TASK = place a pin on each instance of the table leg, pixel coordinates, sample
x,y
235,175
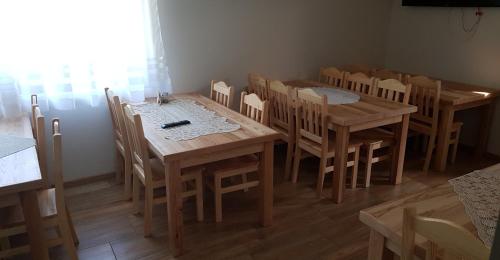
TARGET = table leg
x,y
444,131
266,184
34,226
376,246
340,163
485,129
174,205
398,155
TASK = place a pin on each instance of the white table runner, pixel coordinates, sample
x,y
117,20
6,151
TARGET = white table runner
x,y
479,191
13,144
203,121
337,96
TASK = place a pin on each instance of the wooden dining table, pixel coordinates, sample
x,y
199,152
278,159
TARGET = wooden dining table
x,y
251,138
456,97
20,178
369,112
386,220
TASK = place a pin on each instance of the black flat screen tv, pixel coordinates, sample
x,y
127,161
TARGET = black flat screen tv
x,y
453,3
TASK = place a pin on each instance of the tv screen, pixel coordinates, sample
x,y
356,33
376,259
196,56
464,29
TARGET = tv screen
x,y
457,3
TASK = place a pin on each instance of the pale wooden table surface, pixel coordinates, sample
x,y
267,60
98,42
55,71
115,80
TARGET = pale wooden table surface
x,y
386,219
251,138
369,112
20,174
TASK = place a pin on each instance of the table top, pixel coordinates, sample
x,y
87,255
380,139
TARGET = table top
x,y
368,109
455,93
251,132
439,202
19,171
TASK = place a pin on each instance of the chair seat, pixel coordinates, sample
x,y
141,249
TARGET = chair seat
x,y
158,172
233,164
374,136
315,148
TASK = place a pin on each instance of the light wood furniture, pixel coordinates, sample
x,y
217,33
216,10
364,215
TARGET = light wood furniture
x,y
359,82
369,112
425,95
41,144
258,85
251,138
377,140
384,74
258,110
20,176
455,241
151,174
386,220
34,102
314,137
332,76
123,159
53,209
281,99
221,93
357,68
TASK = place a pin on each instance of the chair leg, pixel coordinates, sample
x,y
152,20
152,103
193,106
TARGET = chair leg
x,y
136,190
218,198
455,146
128,178
369,164
288,162
72,227
119,166
354,181
321,176
430,149
296,164
148,211
66,235
199,198
244,179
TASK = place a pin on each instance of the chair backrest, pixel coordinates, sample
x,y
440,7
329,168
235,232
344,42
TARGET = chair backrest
x,y
281,99
34,102
312,117
255,108
384,74
138,144
425,95
392,90
358,82
119,127
221,93
331,76
41,144
457,242
258,85
357,68
57,168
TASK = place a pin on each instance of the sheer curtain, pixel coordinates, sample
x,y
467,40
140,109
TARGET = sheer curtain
x,y
68,51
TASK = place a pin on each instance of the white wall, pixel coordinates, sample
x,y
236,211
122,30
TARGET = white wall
x,y
431,41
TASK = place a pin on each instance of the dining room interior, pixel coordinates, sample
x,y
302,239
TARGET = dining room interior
x,y
264,129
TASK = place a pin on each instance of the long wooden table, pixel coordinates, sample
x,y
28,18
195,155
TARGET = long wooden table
x,y
251,138
458,96
386,219
20,176
369,112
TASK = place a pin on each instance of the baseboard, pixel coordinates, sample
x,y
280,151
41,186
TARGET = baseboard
x,y
472,148
86,180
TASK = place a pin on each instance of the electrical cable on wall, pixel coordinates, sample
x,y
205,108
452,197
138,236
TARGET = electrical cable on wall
x,y
474,27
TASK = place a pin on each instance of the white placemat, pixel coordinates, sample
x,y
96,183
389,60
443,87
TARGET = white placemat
x,y
12,144
479,191
337,96
203,121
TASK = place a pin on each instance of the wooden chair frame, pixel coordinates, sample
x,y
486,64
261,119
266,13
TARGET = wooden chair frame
x,y
357,68
41,144
384,74
332,76
253,107
258,85
221,93
359,82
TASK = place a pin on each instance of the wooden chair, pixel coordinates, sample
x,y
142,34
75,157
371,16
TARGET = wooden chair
x,y
223,173
221,93
314,137
150,173
384,74
357,68
123,160
425,95
281,98
34,102
331,76
444,236
258,85
41,146
53,209
375,141
358,82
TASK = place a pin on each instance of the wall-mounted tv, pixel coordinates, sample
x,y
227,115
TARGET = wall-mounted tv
x,y
456,3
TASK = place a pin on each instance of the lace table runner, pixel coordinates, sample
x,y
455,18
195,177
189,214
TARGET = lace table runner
x,y
13,144
337,96
479,191
203,121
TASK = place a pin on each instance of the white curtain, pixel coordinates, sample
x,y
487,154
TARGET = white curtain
x,y
68,51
